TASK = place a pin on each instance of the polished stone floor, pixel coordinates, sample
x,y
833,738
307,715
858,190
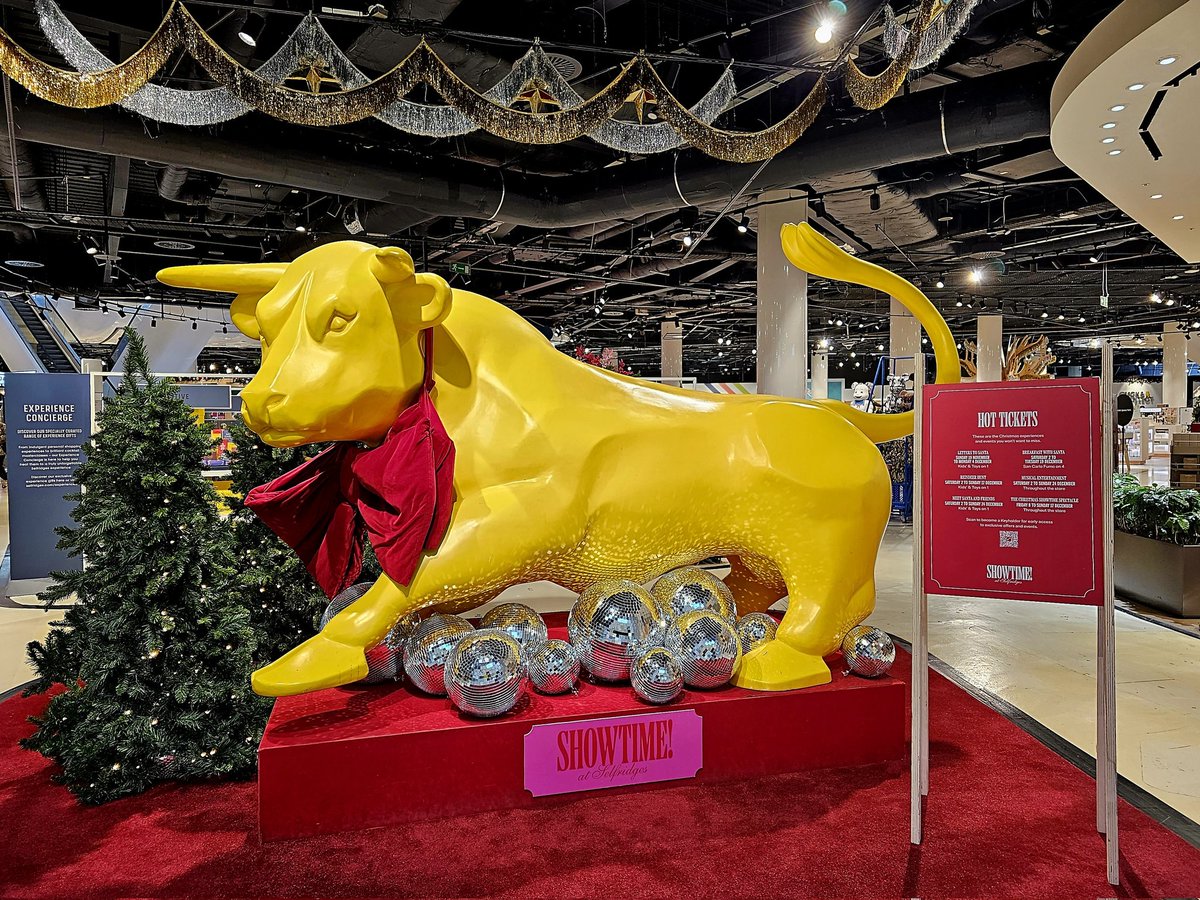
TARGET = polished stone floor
x,y
1038,657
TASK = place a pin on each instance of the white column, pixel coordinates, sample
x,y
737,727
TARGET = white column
x,y
672,350
989,338
819,373
1175,366
782,300
904,338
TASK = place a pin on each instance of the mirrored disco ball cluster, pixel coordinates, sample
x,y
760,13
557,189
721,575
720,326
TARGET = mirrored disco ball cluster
x,y
612,618
755,629
553,667
385,661
429,647
517,620
690,588
484,673
868,651
707,647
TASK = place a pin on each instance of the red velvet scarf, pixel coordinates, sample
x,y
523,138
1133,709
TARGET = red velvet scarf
x,y
399,493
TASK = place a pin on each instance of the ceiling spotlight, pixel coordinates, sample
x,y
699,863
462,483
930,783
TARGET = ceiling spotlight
x,y
301,229
1118,108
1109,140
1166,60
1136,86
1059,317
1170,301
1156,297
823,343
941,282
193,326
959,303
743,224
1176,218
1109,125
1082,319
1114,152
976,276
824,32
839,323
876,202
688,240
1156,196
1045,315
90,246
249,33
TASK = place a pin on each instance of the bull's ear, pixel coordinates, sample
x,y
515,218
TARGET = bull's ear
x,y
248,280
421,299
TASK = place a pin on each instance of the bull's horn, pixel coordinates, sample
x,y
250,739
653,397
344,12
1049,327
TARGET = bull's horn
x,y
237,278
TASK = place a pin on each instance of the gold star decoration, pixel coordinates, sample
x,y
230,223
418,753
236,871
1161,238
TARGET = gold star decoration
x,y
641,98
535,95
314,72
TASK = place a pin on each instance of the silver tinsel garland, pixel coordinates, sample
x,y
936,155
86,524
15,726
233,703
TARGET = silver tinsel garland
x,y
937,38
311,42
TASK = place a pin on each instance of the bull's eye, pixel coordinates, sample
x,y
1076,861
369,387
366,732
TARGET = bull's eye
x,y
339,323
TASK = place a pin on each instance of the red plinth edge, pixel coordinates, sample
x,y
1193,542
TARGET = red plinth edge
x,y
352,758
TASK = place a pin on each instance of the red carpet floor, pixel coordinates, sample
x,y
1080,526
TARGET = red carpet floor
x,y
1006,818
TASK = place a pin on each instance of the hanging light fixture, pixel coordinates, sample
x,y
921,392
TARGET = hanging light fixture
x,y
250,32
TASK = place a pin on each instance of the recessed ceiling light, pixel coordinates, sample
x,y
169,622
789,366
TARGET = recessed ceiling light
x,y
1136,86
1176,218
1114,152
1118,107
1166,60
1156,196
1109,125
1109,140
174,245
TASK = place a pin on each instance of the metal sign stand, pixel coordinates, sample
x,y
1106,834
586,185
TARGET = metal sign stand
x,y
1106,707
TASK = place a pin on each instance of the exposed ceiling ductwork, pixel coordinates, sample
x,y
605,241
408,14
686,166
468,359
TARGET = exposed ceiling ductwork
x,y
1000,109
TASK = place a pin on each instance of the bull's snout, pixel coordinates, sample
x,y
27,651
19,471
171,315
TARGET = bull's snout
x,y
257,404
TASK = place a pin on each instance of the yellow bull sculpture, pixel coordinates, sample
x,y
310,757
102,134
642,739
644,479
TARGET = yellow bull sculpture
x,y
566,472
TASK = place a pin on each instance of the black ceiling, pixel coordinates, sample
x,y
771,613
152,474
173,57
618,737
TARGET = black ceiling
x,y
578,223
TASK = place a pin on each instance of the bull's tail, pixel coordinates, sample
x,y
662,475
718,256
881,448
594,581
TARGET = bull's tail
x,y
819,256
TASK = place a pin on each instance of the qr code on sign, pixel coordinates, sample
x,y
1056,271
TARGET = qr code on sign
x,y
1008,539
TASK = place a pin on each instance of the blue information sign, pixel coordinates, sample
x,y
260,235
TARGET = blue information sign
x,y
46,419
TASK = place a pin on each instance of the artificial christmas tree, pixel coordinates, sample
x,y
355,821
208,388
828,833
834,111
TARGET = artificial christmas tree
x,y
155,659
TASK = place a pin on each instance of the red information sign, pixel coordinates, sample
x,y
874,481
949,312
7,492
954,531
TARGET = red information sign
x,y
1012,490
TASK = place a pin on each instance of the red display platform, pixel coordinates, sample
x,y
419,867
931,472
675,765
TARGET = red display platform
x,y
352,758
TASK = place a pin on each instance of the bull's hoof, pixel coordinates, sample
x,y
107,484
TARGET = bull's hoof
x,y
317,663
778,667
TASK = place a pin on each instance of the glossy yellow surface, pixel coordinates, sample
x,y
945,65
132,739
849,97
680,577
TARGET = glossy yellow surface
x,y
565,472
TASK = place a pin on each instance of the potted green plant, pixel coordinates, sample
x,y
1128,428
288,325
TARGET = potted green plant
x,y
1157,545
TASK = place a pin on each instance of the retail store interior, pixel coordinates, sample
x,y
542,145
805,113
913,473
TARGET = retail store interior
x,y
1033,174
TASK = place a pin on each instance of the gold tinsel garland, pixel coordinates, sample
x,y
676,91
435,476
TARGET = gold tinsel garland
x,y
179,29
873,91
82,90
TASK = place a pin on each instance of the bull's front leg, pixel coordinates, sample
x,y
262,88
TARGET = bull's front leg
x,y
495,540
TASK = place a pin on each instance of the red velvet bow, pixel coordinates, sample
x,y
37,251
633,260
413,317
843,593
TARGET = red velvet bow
x,y
400,493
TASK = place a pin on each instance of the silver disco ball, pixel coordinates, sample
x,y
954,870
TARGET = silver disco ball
x,y
755,629
485,674
573,624
657,676
868,651
691,588
553,666
612,619
707,648
385,661
342,600
518,620
427,648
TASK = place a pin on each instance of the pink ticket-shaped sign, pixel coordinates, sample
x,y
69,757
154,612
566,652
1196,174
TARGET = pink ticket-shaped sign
x,y
590,754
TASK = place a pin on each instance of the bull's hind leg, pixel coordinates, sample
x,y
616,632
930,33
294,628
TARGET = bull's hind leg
x,y
831,588
488,547
755,582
